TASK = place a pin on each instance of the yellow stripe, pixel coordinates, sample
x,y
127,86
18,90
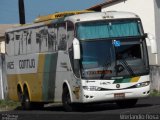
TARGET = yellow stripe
x,y
41,60
12,90
135,79
33,82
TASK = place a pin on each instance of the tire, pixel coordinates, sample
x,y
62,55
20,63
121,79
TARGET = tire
x,y
20,96
25,102
66,100
127,103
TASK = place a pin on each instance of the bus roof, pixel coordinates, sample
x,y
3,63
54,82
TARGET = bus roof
x,y
78,16
101,16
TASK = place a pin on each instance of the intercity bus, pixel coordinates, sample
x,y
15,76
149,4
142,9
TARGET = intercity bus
x,y
78,57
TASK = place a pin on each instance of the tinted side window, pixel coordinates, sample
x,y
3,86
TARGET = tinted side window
x,y
62,41
70,33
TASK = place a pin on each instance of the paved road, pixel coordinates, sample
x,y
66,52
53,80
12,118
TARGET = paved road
x,y
145,109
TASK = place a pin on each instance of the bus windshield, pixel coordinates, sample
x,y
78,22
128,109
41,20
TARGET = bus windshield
x,y
108,29
104,59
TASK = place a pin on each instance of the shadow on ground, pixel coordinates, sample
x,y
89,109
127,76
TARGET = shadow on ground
x,y
89,108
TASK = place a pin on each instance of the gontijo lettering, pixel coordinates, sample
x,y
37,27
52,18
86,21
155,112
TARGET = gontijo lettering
x,y
27,63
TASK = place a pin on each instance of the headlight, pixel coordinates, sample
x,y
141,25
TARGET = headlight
x,y
91,88
143,84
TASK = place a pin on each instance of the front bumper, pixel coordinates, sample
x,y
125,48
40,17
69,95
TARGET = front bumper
x,y
104,96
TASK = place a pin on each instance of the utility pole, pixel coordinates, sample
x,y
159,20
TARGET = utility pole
x,y
21,12
1,79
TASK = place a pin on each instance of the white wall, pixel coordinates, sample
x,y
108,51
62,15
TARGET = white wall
x,y
145,10
2,47
157,26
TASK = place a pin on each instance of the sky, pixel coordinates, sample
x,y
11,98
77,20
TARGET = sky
x,y
33,8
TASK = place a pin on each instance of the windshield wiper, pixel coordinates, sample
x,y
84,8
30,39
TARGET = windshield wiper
x,y
128,68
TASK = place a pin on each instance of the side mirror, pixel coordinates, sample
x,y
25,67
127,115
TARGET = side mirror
x,y
153,43
76,49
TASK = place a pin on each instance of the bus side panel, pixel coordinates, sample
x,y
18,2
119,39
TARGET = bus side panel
x,y
22,73
40,84
64,74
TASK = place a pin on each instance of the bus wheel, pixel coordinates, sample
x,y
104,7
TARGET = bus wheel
x,y
20,96
66,100
26,104
127,103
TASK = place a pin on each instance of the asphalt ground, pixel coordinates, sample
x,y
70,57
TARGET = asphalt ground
x,y
145,109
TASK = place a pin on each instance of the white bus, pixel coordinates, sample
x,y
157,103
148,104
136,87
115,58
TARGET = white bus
x,y
78,57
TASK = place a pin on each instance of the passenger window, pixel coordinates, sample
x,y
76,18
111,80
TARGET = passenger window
x,y
70,32
10,44
62,42
52,38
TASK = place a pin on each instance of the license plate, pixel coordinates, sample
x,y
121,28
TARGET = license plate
x,y
119,95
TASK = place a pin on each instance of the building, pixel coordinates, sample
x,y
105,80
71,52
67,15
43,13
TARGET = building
x,y
149,12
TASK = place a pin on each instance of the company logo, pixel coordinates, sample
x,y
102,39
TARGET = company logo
x,y
118,86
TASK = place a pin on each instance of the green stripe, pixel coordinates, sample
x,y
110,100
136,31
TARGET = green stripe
x,y
49,76
127,80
